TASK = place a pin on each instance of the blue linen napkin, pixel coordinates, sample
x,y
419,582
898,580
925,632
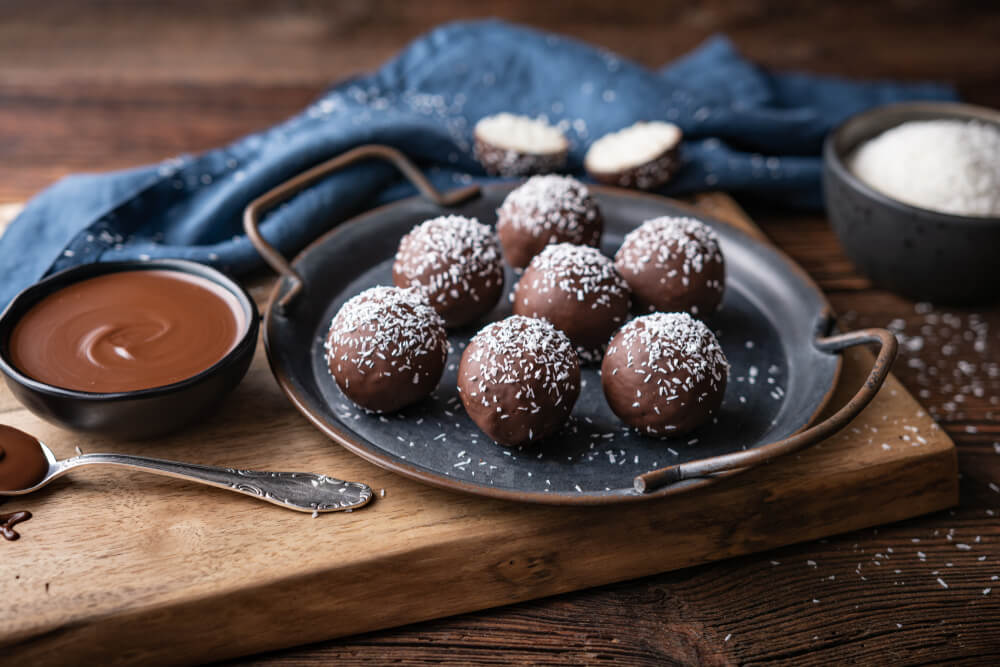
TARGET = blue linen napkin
x,y
747,130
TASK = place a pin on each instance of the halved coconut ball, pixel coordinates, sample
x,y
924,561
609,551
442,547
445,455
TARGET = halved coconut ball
x,y
510,145
643,156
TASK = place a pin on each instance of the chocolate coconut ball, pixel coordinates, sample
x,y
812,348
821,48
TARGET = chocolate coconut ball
x,y
664,374
519,379
456,262
386,348
643,156
511,145
547,209
673,264
577,289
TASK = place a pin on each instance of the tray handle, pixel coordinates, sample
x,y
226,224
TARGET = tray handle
x,y
280,193
729,464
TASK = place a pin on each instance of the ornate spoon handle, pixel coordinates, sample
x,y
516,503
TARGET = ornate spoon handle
x,y
302,491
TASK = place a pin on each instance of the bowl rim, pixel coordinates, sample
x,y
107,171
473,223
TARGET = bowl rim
x,y
94,269
835,160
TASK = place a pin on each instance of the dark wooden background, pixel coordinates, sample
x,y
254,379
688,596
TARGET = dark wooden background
x,y
98,85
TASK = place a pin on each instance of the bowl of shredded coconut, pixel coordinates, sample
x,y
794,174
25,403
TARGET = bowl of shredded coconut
x,y
913,192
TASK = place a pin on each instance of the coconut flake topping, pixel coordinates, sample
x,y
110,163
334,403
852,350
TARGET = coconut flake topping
x,y
445,252
580,271
518,349
547,203
678,352
660,239
386,322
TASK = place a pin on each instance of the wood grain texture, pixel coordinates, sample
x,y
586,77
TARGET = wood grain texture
x,y
155,561
98,85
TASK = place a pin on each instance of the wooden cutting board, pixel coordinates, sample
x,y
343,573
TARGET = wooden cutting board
x,y
122,567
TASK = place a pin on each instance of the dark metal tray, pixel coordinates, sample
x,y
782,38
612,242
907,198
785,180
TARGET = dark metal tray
x,y
773,326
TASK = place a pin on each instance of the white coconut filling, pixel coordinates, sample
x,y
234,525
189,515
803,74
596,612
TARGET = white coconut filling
x,y
521,134
631,147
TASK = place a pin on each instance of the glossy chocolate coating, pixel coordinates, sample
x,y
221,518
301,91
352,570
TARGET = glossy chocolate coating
x,y
126,331
547,209
673,265
664,374
577,289
387,348
519,379
457,263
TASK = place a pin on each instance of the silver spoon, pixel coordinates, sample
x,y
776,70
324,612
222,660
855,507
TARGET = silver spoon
x,y
301,491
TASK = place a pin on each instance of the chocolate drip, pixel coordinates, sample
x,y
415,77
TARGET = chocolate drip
x,y
8,521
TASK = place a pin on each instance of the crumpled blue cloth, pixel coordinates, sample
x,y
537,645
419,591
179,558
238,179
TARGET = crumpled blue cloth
x,y
747,130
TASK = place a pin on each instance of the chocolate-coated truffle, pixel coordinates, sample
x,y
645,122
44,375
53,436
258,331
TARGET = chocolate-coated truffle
x,y
510,145
519,379
386,348
577,289
664,374
644,156
456,261
673,264
544,210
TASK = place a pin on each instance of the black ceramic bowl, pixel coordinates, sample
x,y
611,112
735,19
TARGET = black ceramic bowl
x,y
914,251
145,413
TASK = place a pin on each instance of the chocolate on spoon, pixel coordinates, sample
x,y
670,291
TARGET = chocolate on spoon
x,y
22,462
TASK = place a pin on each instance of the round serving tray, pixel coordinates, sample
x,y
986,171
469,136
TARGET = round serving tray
x,y
769,325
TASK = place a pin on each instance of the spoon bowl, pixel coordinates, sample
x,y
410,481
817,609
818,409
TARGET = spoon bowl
x,y
49,476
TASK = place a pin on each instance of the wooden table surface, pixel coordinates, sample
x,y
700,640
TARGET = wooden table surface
x,y
94,85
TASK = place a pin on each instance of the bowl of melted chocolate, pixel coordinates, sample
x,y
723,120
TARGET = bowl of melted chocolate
x,y
128,349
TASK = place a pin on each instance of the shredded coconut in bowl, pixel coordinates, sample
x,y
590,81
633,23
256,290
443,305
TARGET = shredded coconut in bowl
x,y
949,166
